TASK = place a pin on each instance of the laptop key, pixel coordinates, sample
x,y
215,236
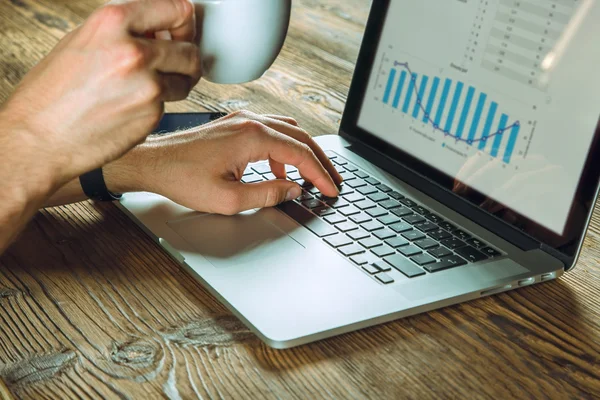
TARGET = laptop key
x,y
338,240
334,219
340,161
339,168
367,190
307,219
462,235
404,265
408,202
434,218
383,251
334,202
346,226
262,168
478,244
345,189
359,259
312,203
471,254
382,266
395,195
445,263
348,211
372,226
356,183
252,178
351,250
384,234
354,197
376,212
361,174
305,196
421,210
397,241
347,176
427,243
426,226
313,190
402,211
389,219
270,176
331,154
360,218
414,219
372,181
453,243
384,188
248,171
423,259
490,252
370,242
294,176
390,204
377,197
410,250
323,211
401,227
290,168
440,252
440,234
365,204
384,278
351,168
371,269
413,235
447,226
358,234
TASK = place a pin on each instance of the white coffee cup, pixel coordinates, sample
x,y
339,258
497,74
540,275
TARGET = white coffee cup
x,y
240,39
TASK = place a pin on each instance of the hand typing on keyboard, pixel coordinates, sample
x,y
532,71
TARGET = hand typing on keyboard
x,y
202,168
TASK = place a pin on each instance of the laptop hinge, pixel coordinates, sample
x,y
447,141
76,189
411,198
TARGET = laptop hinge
x,y
425,185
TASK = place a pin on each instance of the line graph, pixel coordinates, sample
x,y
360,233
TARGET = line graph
x,y
459,113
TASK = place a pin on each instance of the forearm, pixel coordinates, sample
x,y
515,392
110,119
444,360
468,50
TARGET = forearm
x,y
29,173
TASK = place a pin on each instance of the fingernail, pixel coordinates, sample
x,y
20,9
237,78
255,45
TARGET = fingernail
x,y
293,193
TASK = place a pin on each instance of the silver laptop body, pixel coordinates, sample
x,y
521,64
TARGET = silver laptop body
x,y
490,172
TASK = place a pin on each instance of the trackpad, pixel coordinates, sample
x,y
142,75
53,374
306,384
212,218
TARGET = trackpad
x,y
244,238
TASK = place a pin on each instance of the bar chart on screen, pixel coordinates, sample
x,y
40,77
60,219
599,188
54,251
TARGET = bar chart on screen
x,y
454,109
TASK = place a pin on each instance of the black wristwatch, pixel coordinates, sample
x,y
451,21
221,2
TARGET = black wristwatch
x,y
94,187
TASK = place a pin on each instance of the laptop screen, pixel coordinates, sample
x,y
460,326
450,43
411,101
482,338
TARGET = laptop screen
x,y
501,96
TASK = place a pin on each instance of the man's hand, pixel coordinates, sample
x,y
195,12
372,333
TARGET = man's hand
x,y
102,89
201,168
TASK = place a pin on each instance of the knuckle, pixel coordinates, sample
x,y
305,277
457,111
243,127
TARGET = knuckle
x,y
252,126
184,8
152,91
132,56
291,121
243,114
110,16
272,197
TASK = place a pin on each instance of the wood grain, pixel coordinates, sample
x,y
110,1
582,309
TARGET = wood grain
x,y
91,308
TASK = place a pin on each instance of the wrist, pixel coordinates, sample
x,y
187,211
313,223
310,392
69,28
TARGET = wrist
x,y
130,173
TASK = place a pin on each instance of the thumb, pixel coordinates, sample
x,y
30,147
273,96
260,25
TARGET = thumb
x,y
244,197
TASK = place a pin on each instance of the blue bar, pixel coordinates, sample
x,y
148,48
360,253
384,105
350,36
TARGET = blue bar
x,y
477,117
499,134
388,88
465,112
399,89
514,133
434,88
457,93
420,96
411,89
440,110
488,125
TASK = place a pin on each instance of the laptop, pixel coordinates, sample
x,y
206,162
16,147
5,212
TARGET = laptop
x,y
470,152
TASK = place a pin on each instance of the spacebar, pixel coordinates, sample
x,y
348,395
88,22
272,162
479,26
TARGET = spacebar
x,y
308,219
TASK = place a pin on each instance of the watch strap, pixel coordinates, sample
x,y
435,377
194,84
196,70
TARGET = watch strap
x,y
94,186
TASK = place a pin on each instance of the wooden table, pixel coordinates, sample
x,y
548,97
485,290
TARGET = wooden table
x,y
90,307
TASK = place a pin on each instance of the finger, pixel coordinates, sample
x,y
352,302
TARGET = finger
x,y
278,169
241,197
175,87
301,135
173,57
287,150
176,16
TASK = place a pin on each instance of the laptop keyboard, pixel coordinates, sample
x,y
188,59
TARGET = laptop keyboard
x,y
376,227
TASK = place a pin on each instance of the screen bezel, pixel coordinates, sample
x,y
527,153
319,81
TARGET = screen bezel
x,y
587,188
